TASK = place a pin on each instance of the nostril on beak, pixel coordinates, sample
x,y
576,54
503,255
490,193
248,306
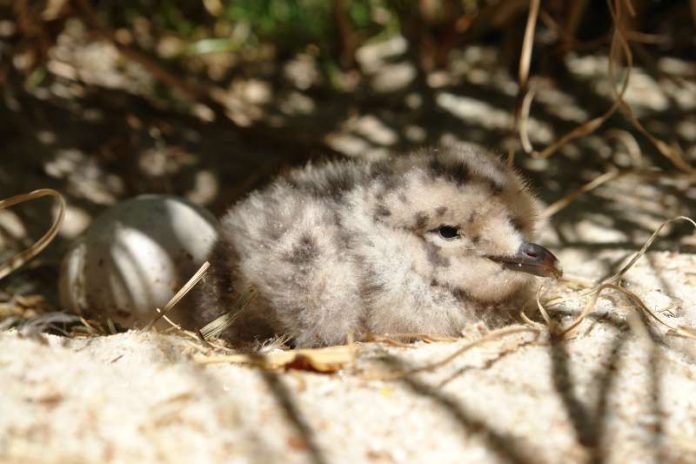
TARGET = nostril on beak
x,y
533,251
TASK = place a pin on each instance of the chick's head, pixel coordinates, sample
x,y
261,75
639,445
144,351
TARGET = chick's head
x,y
466,221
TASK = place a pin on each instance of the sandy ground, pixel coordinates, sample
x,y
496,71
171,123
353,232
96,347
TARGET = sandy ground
x,y
604,396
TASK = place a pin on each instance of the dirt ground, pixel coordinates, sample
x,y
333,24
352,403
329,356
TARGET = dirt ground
x,y
616,392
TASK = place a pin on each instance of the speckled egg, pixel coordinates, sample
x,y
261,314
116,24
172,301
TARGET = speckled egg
x,y
134,257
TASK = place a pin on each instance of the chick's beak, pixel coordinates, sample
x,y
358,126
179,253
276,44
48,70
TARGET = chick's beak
x,y
533,259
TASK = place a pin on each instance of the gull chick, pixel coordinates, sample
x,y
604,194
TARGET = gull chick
x,y
425,243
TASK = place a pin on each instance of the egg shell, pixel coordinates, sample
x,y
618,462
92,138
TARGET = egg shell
x,y
134,257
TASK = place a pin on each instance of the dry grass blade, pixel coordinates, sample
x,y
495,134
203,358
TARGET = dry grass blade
x,y
178,296
22,257
521,118
638,302
612,282
555,207
580,131
528,44
524,96
619,45
530,322
671,153
587,309
413,336
216,327
541,307
647,245
491,336
389,341
91,327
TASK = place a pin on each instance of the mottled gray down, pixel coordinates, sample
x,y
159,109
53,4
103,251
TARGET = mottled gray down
x,y
422,244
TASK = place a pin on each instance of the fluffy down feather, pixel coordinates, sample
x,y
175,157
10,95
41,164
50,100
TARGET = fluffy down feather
x,y
350,248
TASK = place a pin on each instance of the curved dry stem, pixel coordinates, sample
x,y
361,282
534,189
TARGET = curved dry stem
x,y
542,309
558,205
580,131
638,302
526,319
493,335
618,44
524,96
672,153
587,309
522,117
612,282
24,256
645,247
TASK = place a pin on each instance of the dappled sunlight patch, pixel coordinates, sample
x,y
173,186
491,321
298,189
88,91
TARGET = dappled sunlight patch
x,y
479,113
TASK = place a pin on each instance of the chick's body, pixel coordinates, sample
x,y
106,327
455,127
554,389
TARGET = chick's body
x,y
415,244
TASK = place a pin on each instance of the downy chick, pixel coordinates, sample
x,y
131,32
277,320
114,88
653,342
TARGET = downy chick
x,y
425,243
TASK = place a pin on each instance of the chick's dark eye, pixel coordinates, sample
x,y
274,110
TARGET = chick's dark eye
x,y
448,232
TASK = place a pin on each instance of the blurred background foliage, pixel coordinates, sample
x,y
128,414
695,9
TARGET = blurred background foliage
x,y
279,70
212,26
184,33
